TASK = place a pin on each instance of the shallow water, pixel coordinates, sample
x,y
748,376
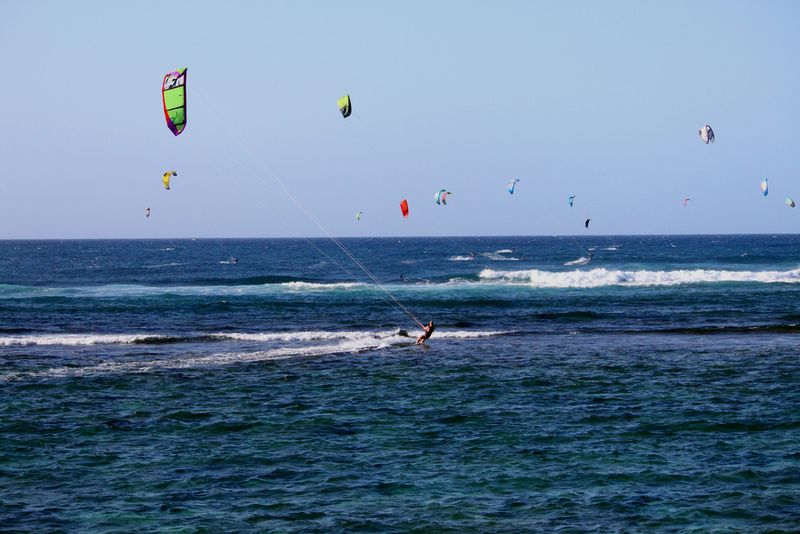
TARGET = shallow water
x,y
148,385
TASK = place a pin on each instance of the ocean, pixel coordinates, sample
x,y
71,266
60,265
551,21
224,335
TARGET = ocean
x,y
573,384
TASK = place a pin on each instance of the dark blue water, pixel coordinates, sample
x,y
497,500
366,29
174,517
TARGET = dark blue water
x,y
573,384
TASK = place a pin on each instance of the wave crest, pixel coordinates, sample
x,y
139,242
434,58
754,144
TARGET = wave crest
x,y
75,340
262,337
607,277
322,286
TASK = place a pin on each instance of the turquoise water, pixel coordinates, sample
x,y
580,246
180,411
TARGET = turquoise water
x,y
158,385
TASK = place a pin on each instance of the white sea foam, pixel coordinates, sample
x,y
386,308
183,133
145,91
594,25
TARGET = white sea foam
x,y
469,334
263,337
131,290
354,345
580,261
321,286
295,336
606,277
160,265
78,339
121,339
346,342
494,256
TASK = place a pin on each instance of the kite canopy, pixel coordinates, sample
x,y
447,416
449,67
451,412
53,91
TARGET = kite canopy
x,y
147,213
511,185
173,95
586,224
789,202
441,197
404,208
345,107
686,200
764,187
706,134
165,178
358,215
571,200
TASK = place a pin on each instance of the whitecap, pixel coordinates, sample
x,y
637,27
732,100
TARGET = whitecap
x,y
580,261
322,286
345,342
78,339
607,277
498,257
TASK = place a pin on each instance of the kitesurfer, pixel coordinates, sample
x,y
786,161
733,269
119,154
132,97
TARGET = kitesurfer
x,y
427,332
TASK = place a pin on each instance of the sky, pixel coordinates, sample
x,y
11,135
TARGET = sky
x,y
601,100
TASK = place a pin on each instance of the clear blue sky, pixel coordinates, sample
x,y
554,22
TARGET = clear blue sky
x,y
598,99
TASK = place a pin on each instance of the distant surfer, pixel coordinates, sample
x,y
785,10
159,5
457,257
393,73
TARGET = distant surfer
x,y
234,260
427,332
402,276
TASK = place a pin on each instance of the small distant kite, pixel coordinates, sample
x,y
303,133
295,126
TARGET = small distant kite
x,y
358,215
764,187
173,96
404,208
441,197
789,202
686,201
345,106
147,213
706,134
586,224
511,185
165,178
571,200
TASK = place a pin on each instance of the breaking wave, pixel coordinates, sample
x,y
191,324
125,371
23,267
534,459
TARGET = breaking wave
x,y
332,343
264,337
583,260
321,286
498,257
81,339
606,277
229,288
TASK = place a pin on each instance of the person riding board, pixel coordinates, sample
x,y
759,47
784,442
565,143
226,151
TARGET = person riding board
x,y
427,332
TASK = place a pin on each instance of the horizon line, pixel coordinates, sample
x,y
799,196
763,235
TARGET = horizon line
x,y
389,237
